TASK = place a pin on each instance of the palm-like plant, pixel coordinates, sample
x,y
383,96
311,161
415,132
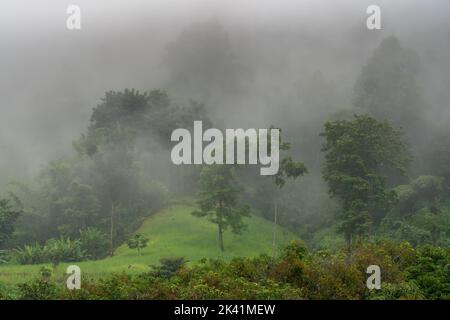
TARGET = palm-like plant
x,y
30,254
54,251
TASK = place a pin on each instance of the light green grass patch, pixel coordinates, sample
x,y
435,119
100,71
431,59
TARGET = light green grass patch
x,y
172,232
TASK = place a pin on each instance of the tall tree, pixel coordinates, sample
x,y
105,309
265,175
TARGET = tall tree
x,y
115,180
358,151
289,169
218,200
387,88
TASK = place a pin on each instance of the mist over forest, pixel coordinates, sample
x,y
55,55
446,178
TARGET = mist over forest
x,y
87,117
249,64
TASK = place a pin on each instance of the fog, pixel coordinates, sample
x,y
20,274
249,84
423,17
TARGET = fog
x,y
252,63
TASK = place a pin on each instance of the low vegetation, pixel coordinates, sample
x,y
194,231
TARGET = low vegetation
x,y
296,273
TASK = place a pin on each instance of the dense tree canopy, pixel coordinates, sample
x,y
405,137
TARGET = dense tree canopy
x,y
356,154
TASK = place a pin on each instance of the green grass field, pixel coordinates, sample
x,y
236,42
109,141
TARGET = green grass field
x,y
172,232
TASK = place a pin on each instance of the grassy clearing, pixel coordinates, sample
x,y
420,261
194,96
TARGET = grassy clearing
x,y
172,232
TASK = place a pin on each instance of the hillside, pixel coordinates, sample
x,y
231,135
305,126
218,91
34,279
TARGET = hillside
x,y
172,232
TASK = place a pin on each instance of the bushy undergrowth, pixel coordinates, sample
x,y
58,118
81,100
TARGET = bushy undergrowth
x,y
92,245
407,273
54,251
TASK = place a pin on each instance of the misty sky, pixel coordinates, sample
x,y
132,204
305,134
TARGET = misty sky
x,y
51,78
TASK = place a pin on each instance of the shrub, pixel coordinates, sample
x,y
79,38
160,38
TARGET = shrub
x,y
39,289
4,256
397,291
431,272
94,243
63,250
407,273
169,267
54,251
45,273
30,254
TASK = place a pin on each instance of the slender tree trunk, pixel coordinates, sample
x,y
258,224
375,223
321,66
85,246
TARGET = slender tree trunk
x,y
111,232
274,239
222,248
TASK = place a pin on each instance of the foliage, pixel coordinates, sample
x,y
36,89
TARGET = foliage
x,y
218,199
421,215
431,272
63,250
8,217
288,168
168,267
105,191
397,291
138,242
30,254
40,289
94,243
4,256
357,152
423,191
45,272
54,251
116,178
297,273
